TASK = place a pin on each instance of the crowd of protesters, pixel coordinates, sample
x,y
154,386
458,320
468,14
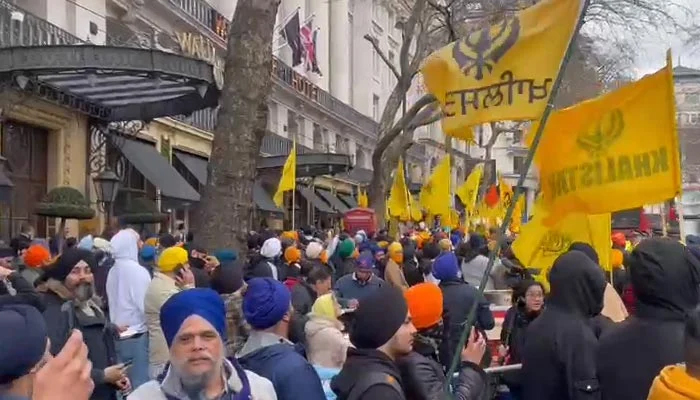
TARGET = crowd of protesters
x,y
315,315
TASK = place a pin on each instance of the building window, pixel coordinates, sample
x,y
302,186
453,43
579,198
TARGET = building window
x,y
338,143
272,118
518,137
692,98
292,125
375,107
318,137
518,164
376,64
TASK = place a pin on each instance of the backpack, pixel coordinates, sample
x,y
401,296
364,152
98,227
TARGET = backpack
x,y
372,379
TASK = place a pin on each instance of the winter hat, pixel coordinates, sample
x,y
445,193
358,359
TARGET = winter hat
x,y
346,248
65,263
36,256
86,243
292,254
228,278
365,261
446,266
425,304
148,253
378,317
265,302
22,341
271,248
313,250
171,258
326,306
586,249
203,302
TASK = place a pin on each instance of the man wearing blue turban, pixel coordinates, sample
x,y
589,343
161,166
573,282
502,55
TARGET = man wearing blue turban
x,y
194,326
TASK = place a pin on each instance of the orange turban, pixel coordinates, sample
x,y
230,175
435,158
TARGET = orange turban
x,y
425,304
616,258
355,253
292,254
291,235
36,256
618,239
324,257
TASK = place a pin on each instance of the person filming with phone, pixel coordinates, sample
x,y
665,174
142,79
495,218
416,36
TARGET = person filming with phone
x,y
71,303
172,275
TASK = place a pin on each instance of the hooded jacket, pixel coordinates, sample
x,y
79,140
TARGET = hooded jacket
x,y
665,278
276,359
559,354
127,283
674,383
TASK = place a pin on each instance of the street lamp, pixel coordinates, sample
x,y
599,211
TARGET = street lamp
x,y
6,184
106,186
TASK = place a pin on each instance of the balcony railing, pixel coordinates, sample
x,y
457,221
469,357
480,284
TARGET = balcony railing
x,y
21,28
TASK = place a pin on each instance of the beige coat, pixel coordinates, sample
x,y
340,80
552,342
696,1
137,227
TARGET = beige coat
x,y
393,275
326,346
613,307
159,291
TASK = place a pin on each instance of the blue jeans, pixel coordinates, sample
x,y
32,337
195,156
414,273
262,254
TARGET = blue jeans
x,y
136,351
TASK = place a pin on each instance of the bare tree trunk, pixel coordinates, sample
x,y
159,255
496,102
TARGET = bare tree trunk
x,y
227,198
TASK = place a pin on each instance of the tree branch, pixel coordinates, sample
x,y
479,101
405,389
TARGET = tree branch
x,y
375,45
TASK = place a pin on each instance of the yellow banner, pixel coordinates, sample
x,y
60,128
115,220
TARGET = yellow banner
x,y
616,152
505,72
435,194
289,177
399,203
469,190
538,246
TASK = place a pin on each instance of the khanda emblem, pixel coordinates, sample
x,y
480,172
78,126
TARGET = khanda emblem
x,y
554,243
480,51
603,134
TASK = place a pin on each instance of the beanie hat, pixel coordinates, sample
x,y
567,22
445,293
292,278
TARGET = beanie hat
x,y
205,303
22,341
313,250
425,304
226,255
265,302
446,266
36,256
586,249
325,306
148,253
65,263
228,277
171,258
346,248
365,261
378,317
292,254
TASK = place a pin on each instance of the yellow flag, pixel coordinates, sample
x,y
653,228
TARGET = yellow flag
x,y
469,190
362,199
435,194
289,176
399,203
516,221
616,152
416,212
505,72
538,246
505,192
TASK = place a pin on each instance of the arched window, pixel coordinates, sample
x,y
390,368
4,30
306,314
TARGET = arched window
x,y
360,159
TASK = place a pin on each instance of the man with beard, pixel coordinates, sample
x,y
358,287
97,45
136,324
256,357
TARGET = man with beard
x,y
68,293
194,326
350,289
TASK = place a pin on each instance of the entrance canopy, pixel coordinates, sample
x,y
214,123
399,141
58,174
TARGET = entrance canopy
x,y
112,83
310,164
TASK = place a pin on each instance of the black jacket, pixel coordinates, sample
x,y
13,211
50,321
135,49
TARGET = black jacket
x,y
457,299
411,270
360,362
665,279
424,378
559,353
261,267
25,293
303,298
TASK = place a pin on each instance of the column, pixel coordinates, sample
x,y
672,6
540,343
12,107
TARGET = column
x,y
340,42
321,20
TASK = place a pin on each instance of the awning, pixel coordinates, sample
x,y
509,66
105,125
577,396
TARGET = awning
x,y
349,200
263,200
196,165
333,200
313,198
156,168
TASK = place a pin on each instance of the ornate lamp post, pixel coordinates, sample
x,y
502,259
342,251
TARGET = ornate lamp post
x,y
106,186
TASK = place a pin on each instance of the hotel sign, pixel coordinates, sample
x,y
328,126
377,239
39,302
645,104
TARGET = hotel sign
x,y
294,79
199,47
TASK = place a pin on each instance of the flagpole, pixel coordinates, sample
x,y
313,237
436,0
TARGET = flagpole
x,y
521,183
286,19
294,192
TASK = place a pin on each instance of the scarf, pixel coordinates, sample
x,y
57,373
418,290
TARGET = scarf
x,y
427,341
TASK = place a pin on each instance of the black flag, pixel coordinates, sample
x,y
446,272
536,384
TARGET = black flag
x,y
291,34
